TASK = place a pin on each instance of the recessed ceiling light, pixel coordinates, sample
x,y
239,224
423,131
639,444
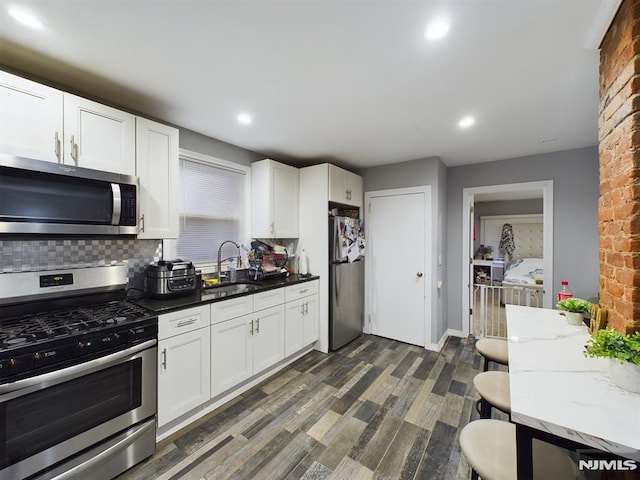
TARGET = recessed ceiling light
x,y
245,119
466,122
25,17
437,29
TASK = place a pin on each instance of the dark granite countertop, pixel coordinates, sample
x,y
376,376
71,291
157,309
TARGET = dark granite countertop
x,y
218,293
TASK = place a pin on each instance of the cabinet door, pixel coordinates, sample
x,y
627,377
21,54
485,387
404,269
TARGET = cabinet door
x,y
98,136
231,353
310,320
157,169
183,374
30,119
268,338
284,196
294,327
337,184
354,189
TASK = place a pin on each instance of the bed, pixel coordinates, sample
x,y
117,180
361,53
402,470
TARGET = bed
x,y
523,282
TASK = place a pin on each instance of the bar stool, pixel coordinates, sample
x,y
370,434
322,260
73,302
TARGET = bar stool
x,y
493,350
493,388
490,448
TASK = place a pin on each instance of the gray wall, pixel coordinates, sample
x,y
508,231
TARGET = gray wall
x,y
197,142
503,207
429,171
575,175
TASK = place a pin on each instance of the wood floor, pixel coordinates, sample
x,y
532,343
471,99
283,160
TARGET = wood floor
x,y
376,409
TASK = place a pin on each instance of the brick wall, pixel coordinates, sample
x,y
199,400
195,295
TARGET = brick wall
x,y
619,206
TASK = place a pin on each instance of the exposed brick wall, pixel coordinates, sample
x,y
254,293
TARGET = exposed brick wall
x,y
619,205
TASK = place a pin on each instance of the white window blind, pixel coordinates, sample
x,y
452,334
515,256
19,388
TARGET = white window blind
x,y
212,209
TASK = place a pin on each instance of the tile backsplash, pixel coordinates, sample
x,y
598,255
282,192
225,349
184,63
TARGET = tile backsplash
x,y
53,254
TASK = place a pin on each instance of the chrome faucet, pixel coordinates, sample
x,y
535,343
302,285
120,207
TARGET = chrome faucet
x,y
220,256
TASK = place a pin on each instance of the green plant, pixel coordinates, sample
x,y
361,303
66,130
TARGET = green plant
x,y
575,305
609,343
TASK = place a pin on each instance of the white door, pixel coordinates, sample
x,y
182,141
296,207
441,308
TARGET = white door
x,y
396,252
268,338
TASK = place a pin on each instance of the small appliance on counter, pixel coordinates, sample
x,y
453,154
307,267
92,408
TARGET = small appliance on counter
x,y
170,278
266,261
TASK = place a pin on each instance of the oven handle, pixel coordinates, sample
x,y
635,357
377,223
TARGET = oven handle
x,y
75,371
121,445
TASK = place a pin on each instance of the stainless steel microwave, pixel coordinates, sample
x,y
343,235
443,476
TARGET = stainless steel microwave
x,y
38,197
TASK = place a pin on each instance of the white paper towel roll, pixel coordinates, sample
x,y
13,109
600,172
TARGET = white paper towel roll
x,y
303,264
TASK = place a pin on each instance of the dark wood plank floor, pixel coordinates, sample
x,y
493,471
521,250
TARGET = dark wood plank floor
x,y
376,409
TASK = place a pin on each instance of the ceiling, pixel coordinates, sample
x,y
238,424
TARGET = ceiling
x,y
353,82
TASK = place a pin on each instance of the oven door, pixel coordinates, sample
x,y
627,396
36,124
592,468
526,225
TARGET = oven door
x,y
47,419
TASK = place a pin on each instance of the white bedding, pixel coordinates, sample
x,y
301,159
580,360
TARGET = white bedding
x,y
524,271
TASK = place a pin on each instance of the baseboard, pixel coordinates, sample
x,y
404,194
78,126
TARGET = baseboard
x,y
436,347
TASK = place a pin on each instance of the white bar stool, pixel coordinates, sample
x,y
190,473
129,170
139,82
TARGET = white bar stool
x,y
490,448
493,388
493,350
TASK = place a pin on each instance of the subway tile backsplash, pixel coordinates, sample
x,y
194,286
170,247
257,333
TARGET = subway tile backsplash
x,y
54,254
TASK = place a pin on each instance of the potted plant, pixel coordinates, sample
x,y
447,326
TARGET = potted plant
x,y
574,309
623,352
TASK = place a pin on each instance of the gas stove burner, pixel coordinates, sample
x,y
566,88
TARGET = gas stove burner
x,y
18,340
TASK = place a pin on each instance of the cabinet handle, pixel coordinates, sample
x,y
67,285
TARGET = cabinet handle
x,y
184,323
306,308
272,228
57,146
74,149
304,290
251,327
257,325
302,309
142,223
164,358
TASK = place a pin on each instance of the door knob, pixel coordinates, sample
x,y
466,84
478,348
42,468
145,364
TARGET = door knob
x,y
419,274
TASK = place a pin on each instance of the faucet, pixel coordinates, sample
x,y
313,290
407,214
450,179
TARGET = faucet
x,y
220,256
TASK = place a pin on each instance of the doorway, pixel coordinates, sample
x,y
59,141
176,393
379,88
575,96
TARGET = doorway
x,y
543,190
398,274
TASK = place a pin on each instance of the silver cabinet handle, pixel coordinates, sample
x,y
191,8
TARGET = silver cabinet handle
x,y
302,309
419,274
164,358
272,227
184,323
257,325
74,149
304,290
57,146
251,327
306,308
142,223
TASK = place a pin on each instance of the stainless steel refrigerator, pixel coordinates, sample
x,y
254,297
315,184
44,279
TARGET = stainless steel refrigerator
x,y
346,280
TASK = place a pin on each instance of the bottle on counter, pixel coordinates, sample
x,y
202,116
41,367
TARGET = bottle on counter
x,y
565,292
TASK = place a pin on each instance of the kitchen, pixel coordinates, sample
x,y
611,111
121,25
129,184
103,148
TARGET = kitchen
x,y
29,253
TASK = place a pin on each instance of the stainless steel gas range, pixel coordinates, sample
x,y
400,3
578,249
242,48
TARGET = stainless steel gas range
x,y
78,375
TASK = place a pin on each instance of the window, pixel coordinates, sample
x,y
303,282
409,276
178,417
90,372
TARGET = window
x,y
213,207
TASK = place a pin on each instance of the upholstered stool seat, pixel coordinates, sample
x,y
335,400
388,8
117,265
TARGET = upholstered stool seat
x,y
493,388
490,448
493,350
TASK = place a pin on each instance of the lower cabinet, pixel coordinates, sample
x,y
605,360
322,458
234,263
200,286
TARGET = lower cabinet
x,y
244,346
301,316
183,362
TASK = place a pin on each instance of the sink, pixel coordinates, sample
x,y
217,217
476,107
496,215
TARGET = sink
x,y
227,289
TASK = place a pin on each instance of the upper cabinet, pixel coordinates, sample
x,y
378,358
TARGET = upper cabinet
x,y
157,169
274,191
43,123
30,119
98,136
345,187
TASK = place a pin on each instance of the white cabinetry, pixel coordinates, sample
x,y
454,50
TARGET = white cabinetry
x,y
157,169
98,136
30,119
274,190
41,122
345,187
301,316
183,362
242,344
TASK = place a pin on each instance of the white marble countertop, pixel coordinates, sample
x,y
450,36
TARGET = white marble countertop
x,y
556,389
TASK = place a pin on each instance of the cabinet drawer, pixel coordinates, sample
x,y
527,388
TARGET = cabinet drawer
x,y
300,290
267,299
221,311
182,321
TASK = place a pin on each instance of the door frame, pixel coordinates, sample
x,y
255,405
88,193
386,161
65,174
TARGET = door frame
x,y
468,200
428,260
